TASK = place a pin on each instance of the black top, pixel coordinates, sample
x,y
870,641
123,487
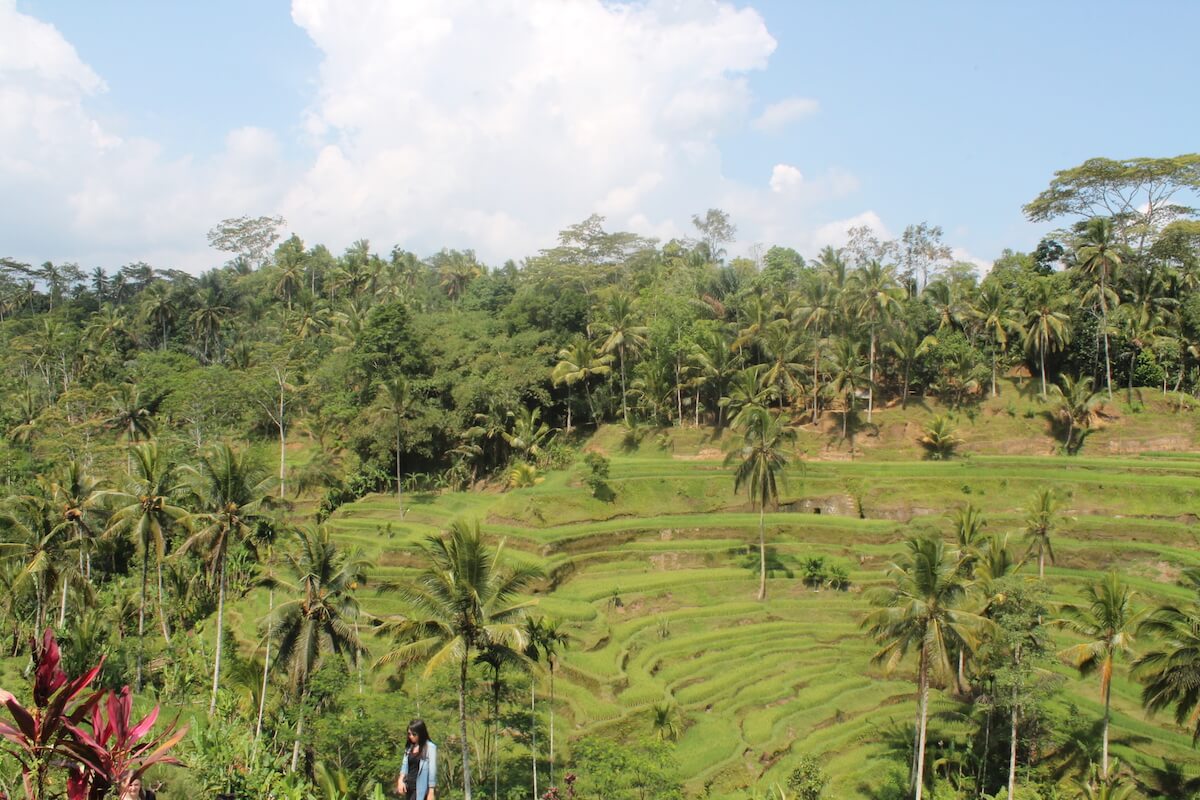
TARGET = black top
x,y
414,765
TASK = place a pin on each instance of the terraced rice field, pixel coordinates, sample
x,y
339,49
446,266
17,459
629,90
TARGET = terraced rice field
x,y
658,593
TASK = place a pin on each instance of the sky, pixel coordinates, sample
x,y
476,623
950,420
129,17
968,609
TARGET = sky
x,y
131,127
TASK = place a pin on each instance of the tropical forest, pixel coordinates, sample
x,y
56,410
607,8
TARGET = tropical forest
x,y
622,519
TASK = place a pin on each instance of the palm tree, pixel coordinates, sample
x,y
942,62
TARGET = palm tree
x,y
78,495
1076,407
40,544
940,438
716,364
621,332
920,611
819,311
998,317
907,346
846,375
319,617
160,309
496,658
129,415
1142,326
1170,672
1047,324
785,365
1098,257
877,295
577,362
232,490
208,319
457,270
395,401
546,637
463,602
1107,622
761,464
529,435
1041,518
144,512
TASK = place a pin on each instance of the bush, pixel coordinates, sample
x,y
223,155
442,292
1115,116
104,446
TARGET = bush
x,y
808,780
940,438
597,476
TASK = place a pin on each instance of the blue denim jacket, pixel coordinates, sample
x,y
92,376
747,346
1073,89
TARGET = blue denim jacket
x,y
426,772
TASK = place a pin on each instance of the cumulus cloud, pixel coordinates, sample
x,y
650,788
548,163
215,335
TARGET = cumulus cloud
x,y
496,124
784,177
92,194
489,125
778,116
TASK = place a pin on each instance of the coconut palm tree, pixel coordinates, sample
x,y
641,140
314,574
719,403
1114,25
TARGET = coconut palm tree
x,y
1076,406
529,435
78,495
761,461
621,332
232,491
785,366
717,364
464,601
998,317
318,619
40,543
1041,518
395,401
129,415
920,610
144,511
1170,671
547,637
1047,324
847,376
1098,258
908,347
876,296
577,363
1107,621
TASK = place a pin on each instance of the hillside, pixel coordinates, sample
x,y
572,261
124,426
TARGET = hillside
x,y
657,590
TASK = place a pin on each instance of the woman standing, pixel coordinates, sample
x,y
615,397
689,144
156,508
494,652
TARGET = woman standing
x,y
418,772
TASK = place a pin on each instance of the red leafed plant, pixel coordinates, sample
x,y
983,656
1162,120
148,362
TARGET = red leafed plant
x,y
49,737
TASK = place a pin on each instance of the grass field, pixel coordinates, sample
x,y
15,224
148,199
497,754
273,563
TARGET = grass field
x,y
658,593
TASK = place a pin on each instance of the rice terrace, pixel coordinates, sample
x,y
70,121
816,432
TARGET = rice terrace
x,y
599,400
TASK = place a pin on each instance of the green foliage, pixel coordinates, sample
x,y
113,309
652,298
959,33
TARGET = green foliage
x,y
808,780
625,770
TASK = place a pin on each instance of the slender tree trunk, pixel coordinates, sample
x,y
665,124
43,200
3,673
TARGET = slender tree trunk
x,y
762,552
871,385
496,733
62,608
994,374
462,724
262,695
299,735
924,700
816,384
1107,714
1104,331
142,617
551,665
212,704
1042,356
1012,751
533,732
399,503
162,610
568,409
1042,563
624,406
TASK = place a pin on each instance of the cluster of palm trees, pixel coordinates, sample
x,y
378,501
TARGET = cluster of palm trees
x,y
944,601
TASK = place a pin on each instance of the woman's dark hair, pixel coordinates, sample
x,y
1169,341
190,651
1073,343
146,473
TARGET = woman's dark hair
x,y
418,729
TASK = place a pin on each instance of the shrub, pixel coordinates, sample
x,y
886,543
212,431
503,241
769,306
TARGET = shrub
x,y
940,438
808,780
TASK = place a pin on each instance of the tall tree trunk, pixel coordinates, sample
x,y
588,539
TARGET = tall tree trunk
x,y
1042,563
568,409
624,406
162,609
62,608
212,704
1012,751
1104,331
994,374
462,724
262,695
1042,356
533,732
924,701
551,665
399,503
871,379
142,616
299,735
1107,714
762,552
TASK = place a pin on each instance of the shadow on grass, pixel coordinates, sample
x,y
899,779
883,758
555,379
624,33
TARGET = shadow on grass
x,y
747,558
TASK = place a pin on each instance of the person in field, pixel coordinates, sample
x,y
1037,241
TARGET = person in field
x,y
418,772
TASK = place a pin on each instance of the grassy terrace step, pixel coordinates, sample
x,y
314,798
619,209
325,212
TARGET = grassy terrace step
x,y
656,588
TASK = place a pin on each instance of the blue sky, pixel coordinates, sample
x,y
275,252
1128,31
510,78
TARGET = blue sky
x,y
493,125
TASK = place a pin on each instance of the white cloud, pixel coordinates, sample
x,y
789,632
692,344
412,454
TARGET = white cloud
x,y
785,177
982,265
778,116
836,233
494,125
489,125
